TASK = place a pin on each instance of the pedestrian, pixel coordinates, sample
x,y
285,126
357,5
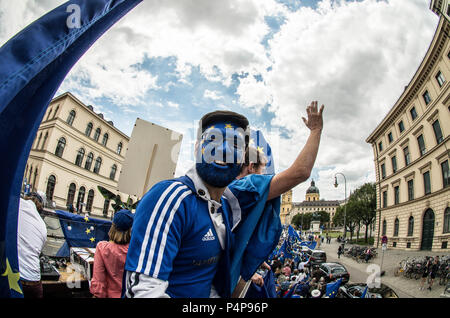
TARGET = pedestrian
x,y
183,232
109,259
426,272
31,238
433,271
340,251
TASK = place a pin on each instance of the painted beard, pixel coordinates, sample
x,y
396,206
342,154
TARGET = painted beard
x,y
218,177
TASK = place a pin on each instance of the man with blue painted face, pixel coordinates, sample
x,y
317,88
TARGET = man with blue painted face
x,y
183,237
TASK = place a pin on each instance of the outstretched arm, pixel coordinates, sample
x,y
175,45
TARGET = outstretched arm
x,y
300,170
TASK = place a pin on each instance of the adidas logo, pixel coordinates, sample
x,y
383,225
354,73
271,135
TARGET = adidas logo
x,y
209,236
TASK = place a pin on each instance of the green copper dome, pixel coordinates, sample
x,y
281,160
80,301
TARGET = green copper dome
x,y
313,188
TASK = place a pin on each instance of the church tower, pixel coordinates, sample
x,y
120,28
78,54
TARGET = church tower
x,y
312,194
286,206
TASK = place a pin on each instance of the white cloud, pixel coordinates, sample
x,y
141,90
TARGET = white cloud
x,y
215,95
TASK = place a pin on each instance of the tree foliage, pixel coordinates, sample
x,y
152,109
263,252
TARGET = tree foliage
x,y
117,204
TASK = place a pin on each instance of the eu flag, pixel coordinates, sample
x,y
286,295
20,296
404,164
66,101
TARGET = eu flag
x,y
332,288
32,66
258,141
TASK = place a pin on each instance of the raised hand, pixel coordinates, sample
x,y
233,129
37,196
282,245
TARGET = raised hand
x,y
314,120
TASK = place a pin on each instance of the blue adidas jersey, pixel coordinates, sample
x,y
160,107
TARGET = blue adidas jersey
x,y
174,239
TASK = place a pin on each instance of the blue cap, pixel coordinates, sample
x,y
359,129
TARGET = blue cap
x,y
123,219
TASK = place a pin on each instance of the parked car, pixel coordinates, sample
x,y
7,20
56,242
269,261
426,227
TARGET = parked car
x,y
307,250
333,271
318,257
357,289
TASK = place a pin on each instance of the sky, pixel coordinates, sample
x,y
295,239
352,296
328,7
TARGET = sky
x,y
170,62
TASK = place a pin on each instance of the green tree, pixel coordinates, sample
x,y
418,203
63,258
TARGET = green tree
x,y
364,199
351,219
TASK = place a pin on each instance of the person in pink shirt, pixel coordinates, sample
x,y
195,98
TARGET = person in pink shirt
x,y
109,259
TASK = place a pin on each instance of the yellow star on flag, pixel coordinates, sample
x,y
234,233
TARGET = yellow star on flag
x,y
13,278
228,126
88,231
92,239
203,151
260,149
86,218
252,141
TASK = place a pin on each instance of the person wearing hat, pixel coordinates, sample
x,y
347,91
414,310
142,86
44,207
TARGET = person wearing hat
x,y
109,259
183,236
31,238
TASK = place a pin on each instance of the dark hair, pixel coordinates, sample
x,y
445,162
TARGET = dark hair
x,y
219,116
253,155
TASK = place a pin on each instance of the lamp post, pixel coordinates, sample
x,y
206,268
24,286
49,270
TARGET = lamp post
x,y
345,200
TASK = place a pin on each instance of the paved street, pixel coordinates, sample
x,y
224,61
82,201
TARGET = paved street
x,y
404,287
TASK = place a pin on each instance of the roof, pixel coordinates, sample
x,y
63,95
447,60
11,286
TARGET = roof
x,y
317,203
313,188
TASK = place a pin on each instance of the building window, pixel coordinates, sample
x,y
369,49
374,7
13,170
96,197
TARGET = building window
x,y
50,187
445,174
112,175
56,112
105,139
39,141
397,195
119,148
380,146
80,157
413,113
80,199
49,113
90,200
384,228
410,226
384,199
391,139
383,171
437,131
45,139
426,97
71,117
60,147
407,156
421,142
88,129
427,182
97,134
394,164
440,78
89,160
98,164
411,190
396,226
71,194
401,126
447,221
105,207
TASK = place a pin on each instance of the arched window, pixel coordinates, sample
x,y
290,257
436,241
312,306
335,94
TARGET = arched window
x,y
447,220
88,129
105,139
49,113
56,112
71,194
384,228
119,148
29,175
80,199
50,187
105,207
89,160
98,131
80,157
90,200
34,180
396,226
39,141
98,164
112,175
71,117
45,139
410,226
60,147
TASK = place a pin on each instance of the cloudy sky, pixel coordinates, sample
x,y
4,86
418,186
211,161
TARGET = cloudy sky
x,y
171,61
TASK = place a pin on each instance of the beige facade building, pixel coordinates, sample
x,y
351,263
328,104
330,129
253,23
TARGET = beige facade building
x,y
411,155
311,204
74,151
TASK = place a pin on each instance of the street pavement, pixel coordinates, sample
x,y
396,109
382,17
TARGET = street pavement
x,y
360,272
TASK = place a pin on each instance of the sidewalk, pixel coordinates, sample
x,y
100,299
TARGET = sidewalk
x,y
405,287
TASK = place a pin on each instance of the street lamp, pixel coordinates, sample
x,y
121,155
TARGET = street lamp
x,y
345,200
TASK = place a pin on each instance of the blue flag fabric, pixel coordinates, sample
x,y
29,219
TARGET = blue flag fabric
x,y
82,231
258,141
268,290
33,64
257,236
332,288
293,233
312,245
364,292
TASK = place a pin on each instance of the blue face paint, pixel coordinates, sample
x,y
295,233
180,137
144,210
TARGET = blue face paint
x,y
221,153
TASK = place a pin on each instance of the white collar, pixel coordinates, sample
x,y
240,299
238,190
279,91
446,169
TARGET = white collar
x,y
200,188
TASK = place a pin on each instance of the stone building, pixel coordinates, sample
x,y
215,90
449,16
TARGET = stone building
x,y
74,151
411,155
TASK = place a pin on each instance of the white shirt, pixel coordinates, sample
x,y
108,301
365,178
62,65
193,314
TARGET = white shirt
x,y
31,237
